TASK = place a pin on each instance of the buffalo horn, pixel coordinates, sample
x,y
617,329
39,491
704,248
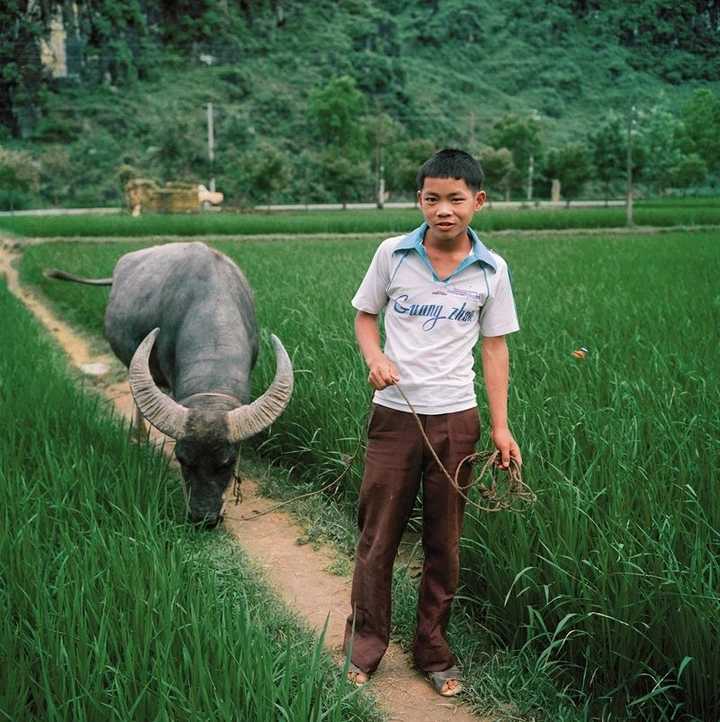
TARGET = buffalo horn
x,y
158,408
245,421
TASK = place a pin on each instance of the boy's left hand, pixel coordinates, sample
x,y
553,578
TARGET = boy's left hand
x,y
507,446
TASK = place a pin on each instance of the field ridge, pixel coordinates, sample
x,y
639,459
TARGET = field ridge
x,y
18,242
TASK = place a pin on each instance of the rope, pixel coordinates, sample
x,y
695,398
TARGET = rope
x,y
516,491
238,497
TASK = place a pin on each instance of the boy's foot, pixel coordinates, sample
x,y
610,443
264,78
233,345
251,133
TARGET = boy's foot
x,y
356,676
447,682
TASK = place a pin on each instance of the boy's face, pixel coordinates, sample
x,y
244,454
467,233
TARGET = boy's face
x,y
448,205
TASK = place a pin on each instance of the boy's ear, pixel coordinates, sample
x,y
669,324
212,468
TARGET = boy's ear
x,y
480,198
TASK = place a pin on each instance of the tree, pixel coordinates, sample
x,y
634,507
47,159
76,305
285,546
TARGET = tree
x,y
405,161
346,177
56,173
19,179
23,23
336,110
184,21
690,171
661,134
636,153
522,136
260,174
181,154
463,21
572,166
608,146
381,132
498,167
112,41
701,117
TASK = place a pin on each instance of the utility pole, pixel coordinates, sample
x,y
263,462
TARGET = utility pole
x,y
531,167
211,145
629,201
381,180
380,157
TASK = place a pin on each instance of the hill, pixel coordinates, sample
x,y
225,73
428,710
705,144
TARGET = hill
x,y
413,77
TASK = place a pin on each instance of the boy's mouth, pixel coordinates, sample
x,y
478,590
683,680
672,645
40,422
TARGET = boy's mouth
x,y
445,225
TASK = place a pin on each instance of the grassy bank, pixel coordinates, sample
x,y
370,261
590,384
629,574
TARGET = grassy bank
x,y
664,214
608,584
112,607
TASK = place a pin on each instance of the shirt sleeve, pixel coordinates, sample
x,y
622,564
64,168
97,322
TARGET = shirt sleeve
x,y
372,297
499,316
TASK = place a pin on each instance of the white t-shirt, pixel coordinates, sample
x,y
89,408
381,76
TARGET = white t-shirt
x,y
432,325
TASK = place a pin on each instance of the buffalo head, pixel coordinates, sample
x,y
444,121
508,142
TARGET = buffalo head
x,y
209,429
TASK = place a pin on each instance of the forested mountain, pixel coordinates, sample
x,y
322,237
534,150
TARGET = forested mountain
x,y
310,98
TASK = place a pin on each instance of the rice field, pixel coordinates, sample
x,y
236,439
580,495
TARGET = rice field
x,y
612,578
111,606
656,213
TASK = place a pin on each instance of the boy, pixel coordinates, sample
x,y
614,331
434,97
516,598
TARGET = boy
x,y
439,289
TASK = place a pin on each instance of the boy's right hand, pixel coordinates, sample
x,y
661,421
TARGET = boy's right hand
x,y
383,373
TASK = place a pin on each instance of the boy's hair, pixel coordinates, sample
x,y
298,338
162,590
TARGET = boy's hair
x,y
452,163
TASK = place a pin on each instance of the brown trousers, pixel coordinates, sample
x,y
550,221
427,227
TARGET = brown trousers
x,y
397,461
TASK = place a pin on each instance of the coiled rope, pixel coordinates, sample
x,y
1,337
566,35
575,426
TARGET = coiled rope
x,y
513,494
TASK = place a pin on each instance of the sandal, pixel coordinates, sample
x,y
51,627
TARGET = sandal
x,y
353,675
440,679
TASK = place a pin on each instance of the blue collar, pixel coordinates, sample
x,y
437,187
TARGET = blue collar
x,y
479,253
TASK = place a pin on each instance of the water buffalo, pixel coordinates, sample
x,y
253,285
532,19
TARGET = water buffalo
x,y
182,316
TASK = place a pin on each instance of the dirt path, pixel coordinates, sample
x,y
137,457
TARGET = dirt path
x,y
298,573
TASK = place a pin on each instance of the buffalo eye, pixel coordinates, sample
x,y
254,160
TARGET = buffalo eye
x,y
224,465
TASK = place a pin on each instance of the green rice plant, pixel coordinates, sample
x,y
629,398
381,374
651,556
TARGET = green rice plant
x,y
609,583
678,202
385,221
623,451
112,607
